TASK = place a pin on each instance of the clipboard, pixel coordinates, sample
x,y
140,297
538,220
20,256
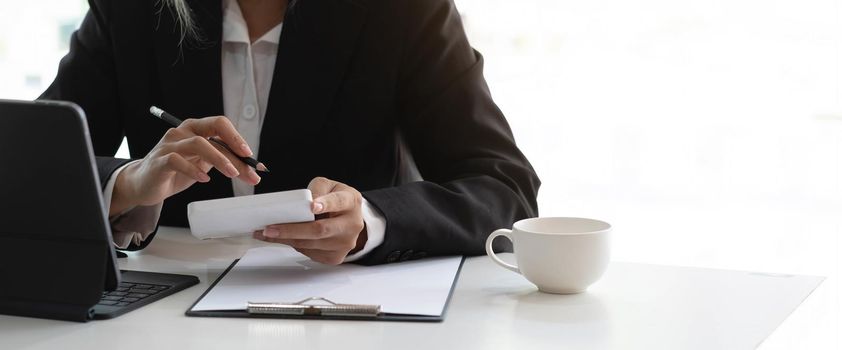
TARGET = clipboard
x,y
317,307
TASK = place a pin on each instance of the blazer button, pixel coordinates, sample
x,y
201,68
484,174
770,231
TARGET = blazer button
x,y
394,256
419,255
406,255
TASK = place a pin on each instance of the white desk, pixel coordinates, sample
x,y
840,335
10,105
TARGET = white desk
x,y
635,306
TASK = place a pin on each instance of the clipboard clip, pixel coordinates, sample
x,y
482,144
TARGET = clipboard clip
x,y
316,306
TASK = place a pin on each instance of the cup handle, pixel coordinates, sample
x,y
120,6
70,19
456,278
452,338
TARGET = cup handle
x,y
505,233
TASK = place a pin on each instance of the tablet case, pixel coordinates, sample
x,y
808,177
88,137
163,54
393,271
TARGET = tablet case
x,y
52,211
56,250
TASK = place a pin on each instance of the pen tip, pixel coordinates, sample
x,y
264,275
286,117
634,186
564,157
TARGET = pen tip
x,y
262,168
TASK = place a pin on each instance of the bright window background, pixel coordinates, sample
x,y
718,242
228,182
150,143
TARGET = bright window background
x,y
709,133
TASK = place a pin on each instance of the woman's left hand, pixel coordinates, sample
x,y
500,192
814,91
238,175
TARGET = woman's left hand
x,y
338,230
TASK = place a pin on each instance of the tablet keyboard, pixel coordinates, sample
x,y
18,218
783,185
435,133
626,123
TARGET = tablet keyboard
x,y
127,293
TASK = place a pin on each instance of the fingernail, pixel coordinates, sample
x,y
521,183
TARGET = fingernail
x,y
254,177
318,207
231,170
245,147
270,232
202,177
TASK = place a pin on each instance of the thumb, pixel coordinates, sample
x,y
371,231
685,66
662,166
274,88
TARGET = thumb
x,y
320,186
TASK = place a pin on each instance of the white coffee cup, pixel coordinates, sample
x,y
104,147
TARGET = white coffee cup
x,y
559,255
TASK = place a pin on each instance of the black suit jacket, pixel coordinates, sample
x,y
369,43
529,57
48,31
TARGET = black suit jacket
x,y
106,166
362,89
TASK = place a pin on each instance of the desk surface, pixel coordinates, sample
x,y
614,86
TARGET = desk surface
x,y
635,306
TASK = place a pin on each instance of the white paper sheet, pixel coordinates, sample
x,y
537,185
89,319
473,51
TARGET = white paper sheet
x,y
280,274
237,216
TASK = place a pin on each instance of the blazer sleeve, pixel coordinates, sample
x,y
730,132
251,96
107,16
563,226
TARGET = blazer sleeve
x,y
106,166
476,179
87,76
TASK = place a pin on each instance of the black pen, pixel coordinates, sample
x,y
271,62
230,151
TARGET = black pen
x,y
175,122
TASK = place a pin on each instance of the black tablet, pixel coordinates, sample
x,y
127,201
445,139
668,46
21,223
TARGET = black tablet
x,y
56,252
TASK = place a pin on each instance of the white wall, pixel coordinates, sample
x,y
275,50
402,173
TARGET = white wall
x,y
708,132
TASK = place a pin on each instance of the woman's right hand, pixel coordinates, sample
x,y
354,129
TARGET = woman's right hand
x,y
181,158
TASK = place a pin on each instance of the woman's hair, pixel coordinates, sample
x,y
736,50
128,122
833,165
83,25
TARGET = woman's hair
x,y
188,29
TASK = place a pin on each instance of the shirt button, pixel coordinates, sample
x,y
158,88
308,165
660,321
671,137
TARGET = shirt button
x,y
249,112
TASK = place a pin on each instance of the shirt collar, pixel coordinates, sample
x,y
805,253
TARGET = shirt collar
x,y
234,28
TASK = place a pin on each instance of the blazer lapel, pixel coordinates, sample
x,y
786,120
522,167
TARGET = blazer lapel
x,y
316,44
191,85
191,74
314,50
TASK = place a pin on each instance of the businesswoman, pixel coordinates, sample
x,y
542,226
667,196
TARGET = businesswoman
x,y
378,106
